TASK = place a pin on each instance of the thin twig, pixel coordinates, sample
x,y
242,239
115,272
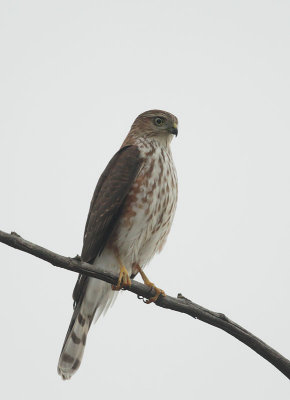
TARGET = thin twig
x,y
180,304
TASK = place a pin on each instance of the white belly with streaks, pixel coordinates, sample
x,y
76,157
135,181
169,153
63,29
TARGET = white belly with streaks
x,y
154,207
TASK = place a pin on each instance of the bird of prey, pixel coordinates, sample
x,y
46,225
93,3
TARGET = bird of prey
x,y
130,216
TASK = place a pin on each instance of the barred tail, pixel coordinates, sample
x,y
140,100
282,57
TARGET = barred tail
x,y
96,299
74,345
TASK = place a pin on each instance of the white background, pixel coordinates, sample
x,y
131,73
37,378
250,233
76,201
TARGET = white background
x,y
74,75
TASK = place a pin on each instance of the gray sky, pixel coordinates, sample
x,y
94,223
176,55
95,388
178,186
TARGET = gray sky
x,y
73,76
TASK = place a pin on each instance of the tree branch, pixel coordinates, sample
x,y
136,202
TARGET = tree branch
x,y
180,304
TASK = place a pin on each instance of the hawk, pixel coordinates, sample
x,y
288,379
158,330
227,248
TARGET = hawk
x,y
130,216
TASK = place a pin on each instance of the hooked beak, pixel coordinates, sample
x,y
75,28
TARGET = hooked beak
x,y
174,129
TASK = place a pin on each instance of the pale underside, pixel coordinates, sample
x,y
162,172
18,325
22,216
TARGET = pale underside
x,y
144,224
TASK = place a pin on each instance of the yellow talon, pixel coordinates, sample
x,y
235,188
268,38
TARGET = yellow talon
x,y
124,279
158,291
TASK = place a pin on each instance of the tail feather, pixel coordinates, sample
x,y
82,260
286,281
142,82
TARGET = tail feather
x,y
74,345
96,298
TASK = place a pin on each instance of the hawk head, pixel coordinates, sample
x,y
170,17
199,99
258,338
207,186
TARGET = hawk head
x,y
157,124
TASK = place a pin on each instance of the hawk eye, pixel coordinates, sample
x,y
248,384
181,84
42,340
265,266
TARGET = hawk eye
x,y
158,121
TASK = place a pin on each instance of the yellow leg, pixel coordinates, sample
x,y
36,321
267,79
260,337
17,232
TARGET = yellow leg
x,y
124,278
151,285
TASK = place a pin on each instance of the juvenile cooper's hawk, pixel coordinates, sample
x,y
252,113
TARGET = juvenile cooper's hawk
x,y
130,216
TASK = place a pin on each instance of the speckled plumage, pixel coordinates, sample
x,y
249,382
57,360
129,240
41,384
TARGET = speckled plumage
x,y
129,220
149,208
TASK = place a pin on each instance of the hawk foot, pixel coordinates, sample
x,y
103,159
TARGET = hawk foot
x,y
148,283
124,279
159,292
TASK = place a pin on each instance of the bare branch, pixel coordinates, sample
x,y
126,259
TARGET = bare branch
x,y
180,304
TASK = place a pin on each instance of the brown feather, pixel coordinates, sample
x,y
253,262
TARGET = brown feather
x,y
106,205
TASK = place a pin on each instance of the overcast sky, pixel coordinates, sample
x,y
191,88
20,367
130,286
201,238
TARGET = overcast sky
x,y
73,77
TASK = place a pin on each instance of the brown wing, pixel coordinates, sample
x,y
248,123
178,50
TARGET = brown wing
x,y
106,205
